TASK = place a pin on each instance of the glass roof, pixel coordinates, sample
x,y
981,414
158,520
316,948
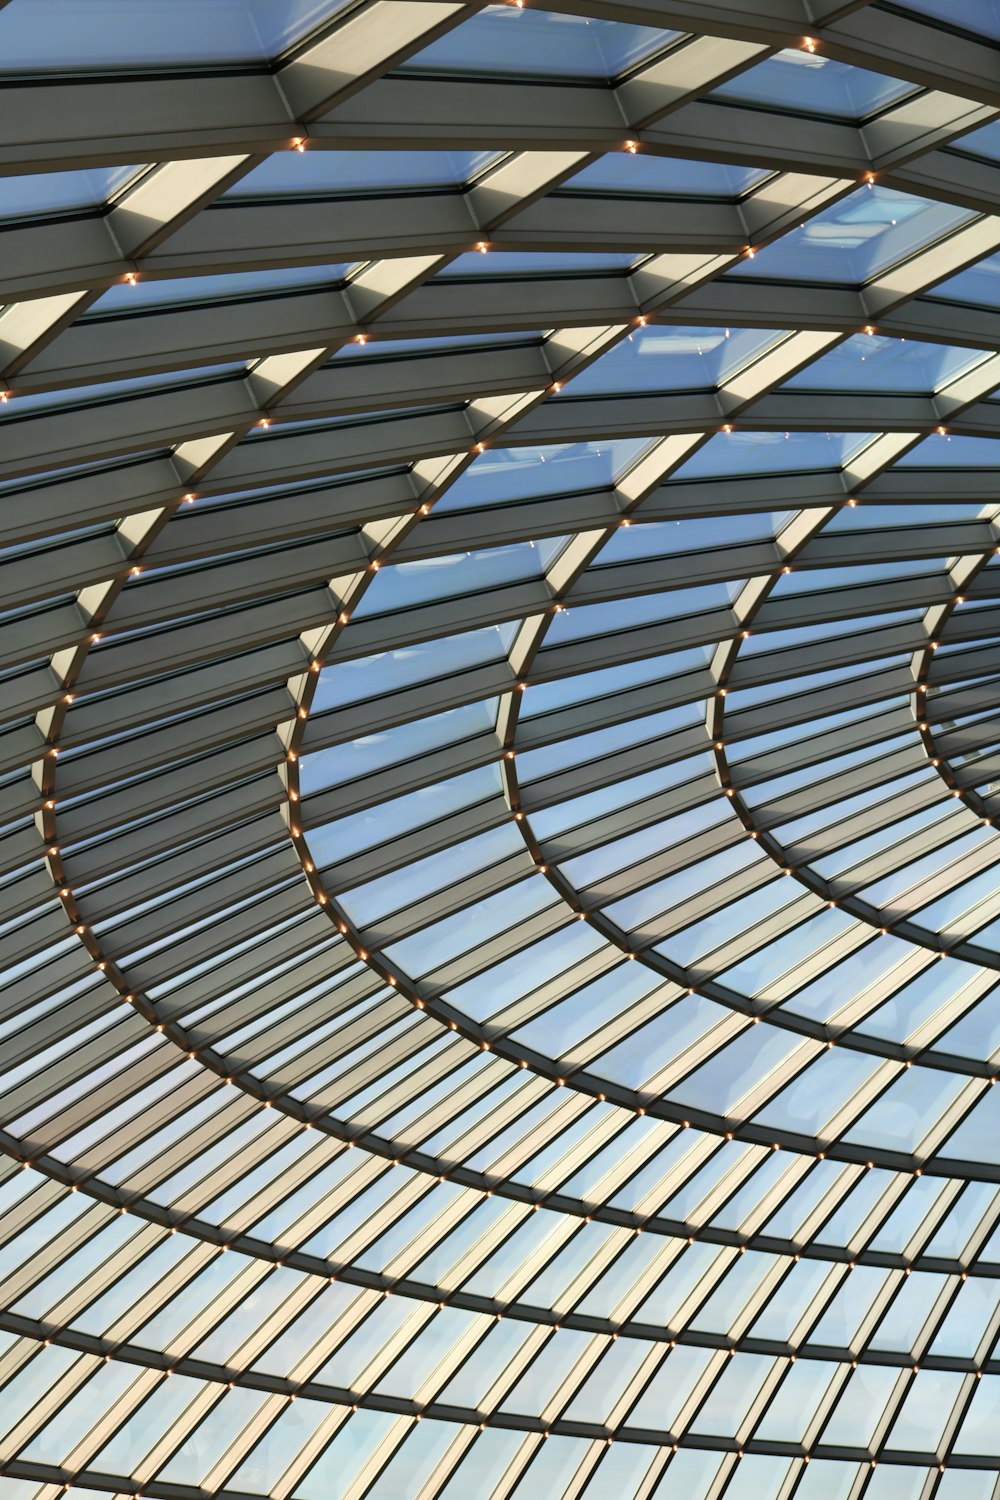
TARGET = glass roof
x,y
666,176
860,236
36,35
37,194
979,18
124,297
538,43
291,174
500,901
811,84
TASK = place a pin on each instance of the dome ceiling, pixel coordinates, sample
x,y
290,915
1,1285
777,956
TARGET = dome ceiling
x,y
501,756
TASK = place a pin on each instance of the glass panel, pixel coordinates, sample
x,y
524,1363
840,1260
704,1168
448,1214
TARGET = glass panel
x,y
49,34
78,1415
860,236
231,284
406,585
538,263
810,84
144,1430
502,475
625,172
978,284
352,1446
53,192
356,681
764,452
874,363
666,359
291,174
981,17
507,40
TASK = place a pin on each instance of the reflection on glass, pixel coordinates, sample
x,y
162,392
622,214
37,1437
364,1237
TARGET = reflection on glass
x,y
852,242
874,363
408,584
807,83
667,359
502,475
505,40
